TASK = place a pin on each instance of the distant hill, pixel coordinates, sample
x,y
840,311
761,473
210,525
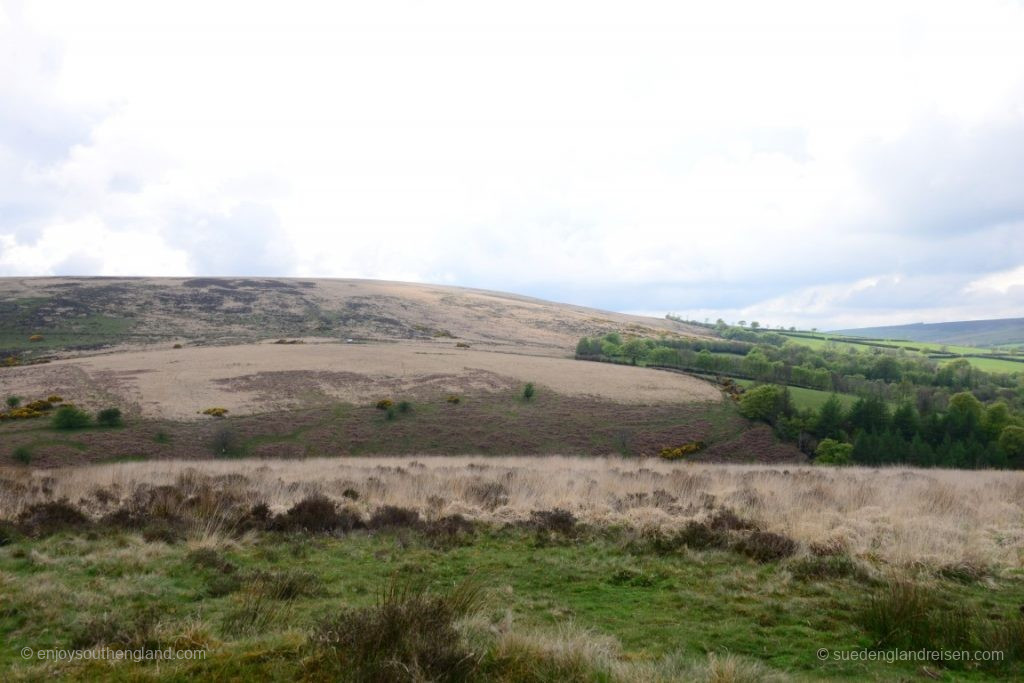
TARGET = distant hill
x,y
87,314
1000,332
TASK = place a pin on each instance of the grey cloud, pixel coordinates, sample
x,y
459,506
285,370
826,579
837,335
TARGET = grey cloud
x,y
248,240
942,178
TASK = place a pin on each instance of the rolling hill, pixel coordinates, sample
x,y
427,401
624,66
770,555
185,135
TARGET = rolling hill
x,y
299,366
984,333
90,314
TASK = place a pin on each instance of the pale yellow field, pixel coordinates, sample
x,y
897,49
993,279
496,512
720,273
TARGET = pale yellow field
x,y
252,378
895,517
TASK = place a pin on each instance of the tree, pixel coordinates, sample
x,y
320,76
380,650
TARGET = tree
x,y
754,325
13,401
1011,443
906,421
634,349
963,416
766,403
997,417
528,391
869,414
830,419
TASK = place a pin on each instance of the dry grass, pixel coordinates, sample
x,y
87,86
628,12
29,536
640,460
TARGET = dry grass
x,y
256,378
898,516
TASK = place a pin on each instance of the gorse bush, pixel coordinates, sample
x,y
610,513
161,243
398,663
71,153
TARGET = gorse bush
x,y
384,404
680,452
70,417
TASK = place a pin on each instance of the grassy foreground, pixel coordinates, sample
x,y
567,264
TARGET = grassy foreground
x,y
563,604
472,569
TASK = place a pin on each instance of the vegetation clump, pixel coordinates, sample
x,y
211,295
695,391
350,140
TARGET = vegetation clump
x,y
215,412
410,634
22,455
316,513
453,399
766,546
36,338
384,404
680,452
832,452
69,417
110,417
528,391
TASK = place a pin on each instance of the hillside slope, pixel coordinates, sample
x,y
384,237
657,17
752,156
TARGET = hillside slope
x,y
998,332
86,314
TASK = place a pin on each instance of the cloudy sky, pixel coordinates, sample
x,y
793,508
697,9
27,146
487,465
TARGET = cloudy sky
x,y
807,163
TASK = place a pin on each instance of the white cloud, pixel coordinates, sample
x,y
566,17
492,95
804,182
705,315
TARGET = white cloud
x,y
708,156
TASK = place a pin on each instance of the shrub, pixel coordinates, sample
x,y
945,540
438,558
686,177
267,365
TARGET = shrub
x,y
53,398
36,338
392,517
556,520
453,399
404,407
384,404
461,345
109,417
224,442
389,414
816,568
51,517
162,437
176,346
70,417
766,546
409,635
682,451
528,391
316,513
832,452
22,455
216,412
13,401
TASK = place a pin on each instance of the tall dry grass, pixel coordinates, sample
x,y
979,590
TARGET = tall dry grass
x,y
899,516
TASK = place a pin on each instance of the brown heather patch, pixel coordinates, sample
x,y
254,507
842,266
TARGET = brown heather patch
x,y
876,515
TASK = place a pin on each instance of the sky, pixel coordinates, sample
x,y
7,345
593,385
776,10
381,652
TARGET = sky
x,y
796,163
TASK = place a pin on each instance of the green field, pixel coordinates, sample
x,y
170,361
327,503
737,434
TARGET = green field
x,y
987,364
808,398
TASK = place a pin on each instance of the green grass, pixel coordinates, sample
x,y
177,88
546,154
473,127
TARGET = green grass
x,y
808,398
685,603
83,331
976,357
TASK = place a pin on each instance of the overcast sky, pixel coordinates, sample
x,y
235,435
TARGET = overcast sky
x,y
800,163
